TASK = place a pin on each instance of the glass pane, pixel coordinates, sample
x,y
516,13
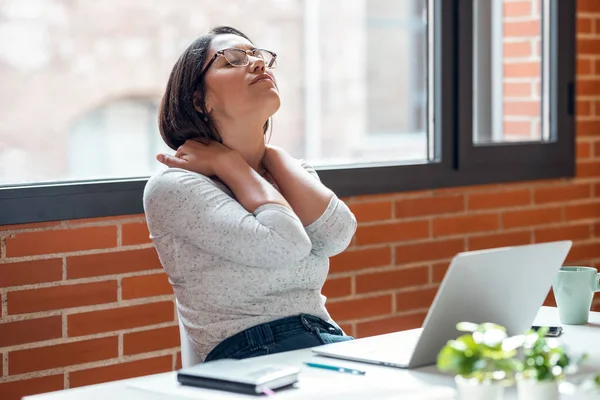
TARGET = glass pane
x,y
507,87
82,80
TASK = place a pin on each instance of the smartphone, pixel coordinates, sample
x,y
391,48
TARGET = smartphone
x,y
553,331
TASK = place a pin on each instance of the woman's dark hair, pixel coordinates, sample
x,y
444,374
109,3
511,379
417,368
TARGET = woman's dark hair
x,y
178,120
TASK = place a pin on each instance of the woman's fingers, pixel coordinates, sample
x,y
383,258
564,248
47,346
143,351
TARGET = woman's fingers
x,y
171,161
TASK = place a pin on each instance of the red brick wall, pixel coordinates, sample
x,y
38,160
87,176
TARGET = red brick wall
x,y
522,69
86,301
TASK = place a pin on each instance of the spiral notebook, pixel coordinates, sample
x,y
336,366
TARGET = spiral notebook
x,y
240,376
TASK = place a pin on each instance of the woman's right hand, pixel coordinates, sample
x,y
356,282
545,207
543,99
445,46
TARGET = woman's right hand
x,y
195,156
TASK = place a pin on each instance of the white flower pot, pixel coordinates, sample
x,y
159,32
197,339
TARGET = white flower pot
x,y
530,389
471,389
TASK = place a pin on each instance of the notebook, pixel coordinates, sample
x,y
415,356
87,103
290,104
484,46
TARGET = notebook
x,y
240,376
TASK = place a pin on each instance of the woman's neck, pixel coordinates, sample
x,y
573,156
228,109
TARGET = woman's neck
x,y
249,142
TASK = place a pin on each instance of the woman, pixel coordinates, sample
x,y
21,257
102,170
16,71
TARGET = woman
x,y
243,230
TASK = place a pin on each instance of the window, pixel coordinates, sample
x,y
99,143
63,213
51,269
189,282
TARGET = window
x,y
517,109
92,54
379,95
118,140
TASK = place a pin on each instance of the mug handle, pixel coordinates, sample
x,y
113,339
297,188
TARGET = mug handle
x,y
597,288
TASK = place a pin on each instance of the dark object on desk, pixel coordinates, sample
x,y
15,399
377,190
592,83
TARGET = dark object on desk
x,y
553,331
240,376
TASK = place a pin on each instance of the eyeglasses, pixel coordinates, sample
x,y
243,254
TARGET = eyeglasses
x,y
239,57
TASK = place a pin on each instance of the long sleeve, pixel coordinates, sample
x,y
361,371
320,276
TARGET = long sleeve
x,y
332,232
191,206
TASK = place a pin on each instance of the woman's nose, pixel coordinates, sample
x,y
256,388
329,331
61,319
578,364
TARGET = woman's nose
x,y
257,64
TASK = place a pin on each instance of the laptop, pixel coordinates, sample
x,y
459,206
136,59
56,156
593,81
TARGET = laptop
x,y
506,286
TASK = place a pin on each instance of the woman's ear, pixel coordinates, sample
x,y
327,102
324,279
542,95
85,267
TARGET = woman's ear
x,y
198,102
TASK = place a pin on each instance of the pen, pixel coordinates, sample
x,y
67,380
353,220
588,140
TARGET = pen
x,y
335,368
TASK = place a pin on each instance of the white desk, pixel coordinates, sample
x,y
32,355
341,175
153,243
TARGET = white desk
x,y
379,382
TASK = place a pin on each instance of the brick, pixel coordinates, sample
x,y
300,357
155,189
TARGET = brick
x,y
587,169
415,299
525,29
597,144
30,330
337,287
15,390
360,308
502,239
583,108
136,287
525,218
62,355
587,46
387,280
465,224
135,233
584,252
517,89
521,128
151,340
582,211
59,297
392,232
427,206
120,318
561,194
550,301
584,66
584,25
178,365
525,69
429,251
501,199
517,9
572,232
61,241
588,87
597,229
439,271
523,108
517,50
583,150
368,197
588,127
390,325
348,329
30,272
372,211
587,6
351,260
112,263
119,371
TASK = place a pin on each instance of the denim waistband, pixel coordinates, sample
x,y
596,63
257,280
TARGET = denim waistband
x,y
268,332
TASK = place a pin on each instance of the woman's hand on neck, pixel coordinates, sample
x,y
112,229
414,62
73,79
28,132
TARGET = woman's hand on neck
x,y
247,139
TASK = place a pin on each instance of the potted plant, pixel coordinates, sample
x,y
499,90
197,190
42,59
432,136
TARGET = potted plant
x,y
483,360
545,364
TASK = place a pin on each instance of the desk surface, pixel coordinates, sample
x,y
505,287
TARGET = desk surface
x,y
379,382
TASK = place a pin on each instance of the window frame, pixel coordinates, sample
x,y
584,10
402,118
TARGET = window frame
x,y
456,161
543,159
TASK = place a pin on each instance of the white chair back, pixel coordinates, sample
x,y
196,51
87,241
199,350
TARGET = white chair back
x,y
189,357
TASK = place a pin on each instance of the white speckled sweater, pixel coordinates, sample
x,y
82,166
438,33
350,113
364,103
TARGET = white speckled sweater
x,y
232,269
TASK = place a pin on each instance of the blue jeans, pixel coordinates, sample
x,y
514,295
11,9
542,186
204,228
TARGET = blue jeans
x,y
285,334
